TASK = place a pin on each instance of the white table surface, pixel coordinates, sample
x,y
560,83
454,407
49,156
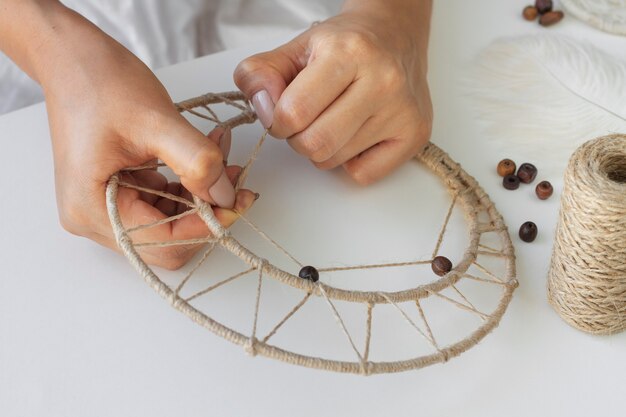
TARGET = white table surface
x,y
82,334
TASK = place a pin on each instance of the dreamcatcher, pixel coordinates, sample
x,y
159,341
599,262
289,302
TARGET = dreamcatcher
x,y
489,249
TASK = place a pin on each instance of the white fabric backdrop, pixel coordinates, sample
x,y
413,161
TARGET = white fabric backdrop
x,y
164,32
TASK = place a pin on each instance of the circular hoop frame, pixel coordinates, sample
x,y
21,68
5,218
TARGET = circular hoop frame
x,y
463,187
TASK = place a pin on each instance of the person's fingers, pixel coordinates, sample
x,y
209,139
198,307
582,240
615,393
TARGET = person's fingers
x,y
196,160
168,206
245,199
172,258
336,126
134,211
379,160
263,77
182,207
154,162
222,138
372,132
233,172
315,88
150,179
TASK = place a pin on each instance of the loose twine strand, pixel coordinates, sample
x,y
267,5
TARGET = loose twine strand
x,y
253,345
587,276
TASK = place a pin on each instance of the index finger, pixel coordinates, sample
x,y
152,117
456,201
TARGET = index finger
x,y
313,90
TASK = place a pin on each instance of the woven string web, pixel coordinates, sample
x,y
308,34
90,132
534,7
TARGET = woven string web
x,y
482,220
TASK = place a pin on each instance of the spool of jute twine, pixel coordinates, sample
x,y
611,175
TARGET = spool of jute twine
x,y
587,276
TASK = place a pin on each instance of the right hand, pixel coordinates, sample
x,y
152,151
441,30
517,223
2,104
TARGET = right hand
x,y
107,111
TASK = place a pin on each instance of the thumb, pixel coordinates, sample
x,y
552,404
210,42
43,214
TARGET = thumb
x,y
195,159
263,77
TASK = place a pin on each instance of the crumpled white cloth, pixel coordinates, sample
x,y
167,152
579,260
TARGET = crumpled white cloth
x,y
164,32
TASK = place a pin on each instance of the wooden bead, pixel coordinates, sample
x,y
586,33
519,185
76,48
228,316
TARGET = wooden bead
x,y
510,182
544,190
527,173
543,6
550,18
441,265
310,273
528,232
530,13
506,167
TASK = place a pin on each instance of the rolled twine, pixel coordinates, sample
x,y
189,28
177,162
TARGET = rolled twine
x,y
587,276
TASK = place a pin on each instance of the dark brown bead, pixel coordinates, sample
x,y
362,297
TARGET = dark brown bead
x,y
310,273
543,6
530,13
527,173
441,265
528,232
550,18
506,167
510,182
544,190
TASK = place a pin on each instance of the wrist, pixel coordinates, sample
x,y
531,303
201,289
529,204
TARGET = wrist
x,y
46,39
25,30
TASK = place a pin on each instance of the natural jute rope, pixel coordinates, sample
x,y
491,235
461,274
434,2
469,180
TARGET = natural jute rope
x,y
587,277
485,226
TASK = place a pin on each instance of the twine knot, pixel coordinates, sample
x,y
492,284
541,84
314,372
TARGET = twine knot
x,y
261,263
250,346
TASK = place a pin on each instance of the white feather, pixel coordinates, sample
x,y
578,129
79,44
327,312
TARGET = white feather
x,y
542,96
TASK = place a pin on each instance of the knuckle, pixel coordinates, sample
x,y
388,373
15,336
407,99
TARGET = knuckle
x,y
358,43
68,225
174,258
322,152
72,218
360,175
172,264
202,164
246,67
291,117
321,148
316,147
326,165
392,77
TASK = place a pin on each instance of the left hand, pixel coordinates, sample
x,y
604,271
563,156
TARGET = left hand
x,y
349,91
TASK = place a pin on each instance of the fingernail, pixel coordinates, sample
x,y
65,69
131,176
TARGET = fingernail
x,y
224,143
256,196
264,107
223,192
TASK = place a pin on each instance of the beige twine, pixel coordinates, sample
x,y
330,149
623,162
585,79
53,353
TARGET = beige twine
x,y
482,218
587,277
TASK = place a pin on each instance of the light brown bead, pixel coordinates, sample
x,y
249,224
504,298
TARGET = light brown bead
x,y
506,167
530,13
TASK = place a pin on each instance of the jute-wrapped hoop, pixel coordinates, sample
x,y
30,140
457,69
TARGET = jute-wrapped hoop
x,y
587,277
482,218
